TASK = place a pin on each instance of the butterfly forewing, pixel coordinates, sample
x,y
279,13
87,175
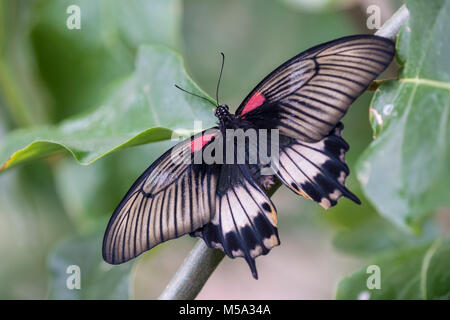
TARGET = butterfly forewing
x,y
174,196
312,92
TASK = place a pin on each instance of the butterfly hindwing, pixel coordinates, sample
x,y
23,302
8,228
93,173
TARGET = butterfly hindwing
x,y
174,196
316,170
311,92
245,222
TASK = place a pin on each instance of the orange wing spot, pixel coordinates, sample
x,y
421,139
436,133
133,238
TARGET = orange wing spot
x,y
255,101
304,194
274,216
199,143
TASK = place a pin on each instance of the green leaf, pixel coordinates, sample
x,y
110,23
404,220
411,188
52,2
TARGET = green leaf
x,y
78,65
376,235
405,171
98,280
415,273
436,271
400,277
144,108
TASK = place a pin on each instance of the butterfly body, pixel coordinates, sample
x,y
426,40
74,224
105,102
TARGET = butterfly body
x,y
222,113
224,202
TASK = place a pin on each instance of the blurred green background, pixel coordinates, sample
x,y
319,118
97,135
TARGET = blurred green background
x,y
53,211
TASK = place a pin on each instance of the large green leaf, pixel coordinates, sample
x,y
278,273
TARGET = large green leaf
x,y
78,65
436,272
144,108
98,280
376,235
405,171
414,273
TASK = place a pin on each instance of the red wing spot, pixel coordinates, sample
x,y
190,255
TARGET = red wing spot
x,y
255,101
199,143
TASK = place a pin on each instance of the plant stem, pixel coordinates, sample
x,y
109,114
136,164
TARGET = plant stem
x,y
392,26
202,260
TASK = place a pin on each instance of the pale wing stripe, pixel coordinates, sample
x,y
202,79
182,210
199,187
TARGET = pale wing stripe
x,y
335,72
191,218
162,216
361,48
320,102
288,127
345,68
149,242
185,203
324,171
223,226
330,77
118,227
255,234
289,162
138,226
285,174
351,44
299,111
309,122
236,229
251,194
364,50
248,216
117,223
297,166
283,91
337,82
332,89
318,187
293,79
373,67
330,155
180,211
379,62
130,224
153,215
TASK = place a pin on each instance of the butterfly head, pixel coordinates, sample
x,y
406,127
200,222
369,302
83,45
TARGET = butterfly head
x,y
222,112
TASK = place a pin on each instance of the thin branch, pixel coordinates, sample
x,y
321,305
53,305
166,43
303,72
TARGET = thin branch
x,y
392,26
202,260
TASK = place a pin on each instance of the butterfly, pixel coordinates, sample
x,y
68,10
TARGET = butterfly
x,y
226,204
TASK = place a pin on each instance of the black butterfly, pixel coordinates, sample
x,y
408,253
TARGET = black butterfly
x,y
226,204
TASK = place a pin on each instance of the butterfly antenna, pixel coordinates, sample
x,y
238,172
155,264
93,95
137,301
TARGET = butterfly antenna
x,y
220,77
196,95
